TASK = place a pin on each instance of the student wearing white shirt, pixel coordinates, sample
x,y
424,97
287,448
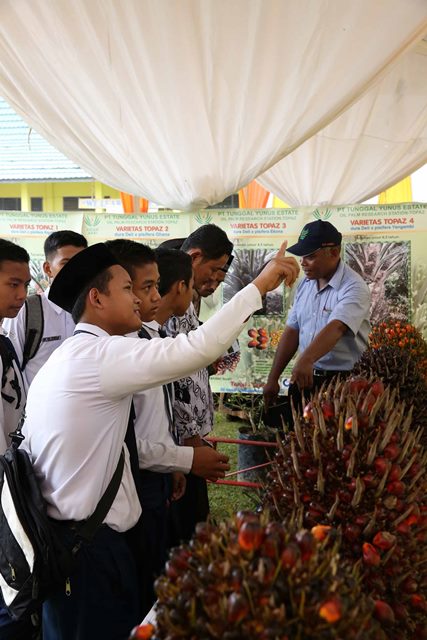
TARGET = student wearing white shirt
x,y
14,280
162,463
210,251
49,324
78,410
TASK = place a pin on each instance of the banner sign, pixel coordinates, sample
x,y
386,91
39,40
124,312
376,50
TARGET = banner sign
x,y
385,244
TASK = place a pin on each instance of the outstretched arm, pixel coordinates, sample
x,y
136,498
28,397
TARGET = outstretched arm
x,y
144,364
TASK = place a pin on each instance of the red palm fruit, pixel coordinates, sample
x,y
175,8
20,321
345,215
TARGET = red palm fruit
x,y
236,578
358,384
418,602
412,519
414,469
270,545
331,610
252,344
142,632
305,542
381,466
171,570
352,532
250,536
311,472
377,388
371,556
320,532
328,410
403,528
237,607
409,585
246,516
369,480
261,347
396,488
203,531
308,412
348,424
384,540
263,339
262,331
392,451
384,613
400,611
290,555
395,473
252,333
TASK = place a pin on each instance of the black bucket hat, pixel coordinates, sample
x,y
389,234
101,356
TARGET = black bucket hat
x,y
78,273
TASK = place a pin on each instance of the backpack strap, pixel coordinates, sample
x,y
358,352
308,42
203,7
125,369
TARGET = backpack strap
x,y
89,527
6,356
34,327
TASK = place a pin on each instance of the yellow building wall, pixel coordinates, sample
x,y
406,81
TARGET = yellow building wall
x,y
53,192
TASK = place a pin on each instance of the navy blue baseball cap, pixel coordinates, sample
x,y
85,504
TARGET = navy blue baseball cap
x,y
316,235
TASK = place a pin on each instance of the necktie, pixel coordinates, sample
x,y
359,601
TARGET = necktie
x,y
130,442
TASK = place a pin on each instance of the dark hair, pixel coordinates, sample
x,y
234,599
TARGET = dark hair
x,y
11,251
173,266
211,240
59,239
172,243
99,282
131,254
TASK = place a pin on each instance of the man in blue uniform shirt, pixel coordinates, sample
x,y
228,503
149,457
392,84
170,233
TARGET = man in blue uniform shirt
x,y
329,321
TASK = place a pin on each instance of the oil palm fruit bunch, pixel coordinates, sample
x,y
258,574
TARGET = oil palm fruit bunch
x,y
396,367
247,578
354,463
404,336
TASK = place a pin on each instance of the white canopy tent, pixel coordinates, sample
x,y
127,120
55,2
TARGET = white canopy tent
x,y
378,141
185,101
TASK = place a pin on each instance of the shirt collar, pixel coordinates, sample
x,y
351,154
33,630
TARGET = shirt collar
x,y
336,279
91,328
54,306
153,325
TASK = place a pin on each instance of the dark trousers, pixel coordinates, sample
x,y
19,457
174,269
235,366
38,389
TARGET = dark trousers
x,y
155,492
103,601
185,513
11,630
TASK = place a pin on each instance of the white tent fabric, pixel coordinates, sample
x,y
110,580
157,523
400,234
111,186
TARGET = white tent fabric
x,y
374,144
185,101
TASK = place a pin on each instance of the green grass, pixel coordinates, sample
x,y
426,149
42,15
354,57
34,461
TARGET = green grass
x,y
225,500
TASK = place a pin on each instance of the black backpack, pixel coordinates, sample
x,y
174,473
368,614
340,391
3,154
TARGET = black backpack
x,y
34,561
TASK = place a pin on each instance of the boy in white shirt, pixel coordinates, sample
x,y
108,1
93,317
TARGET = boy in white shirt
x,y
14,280
162,463
41,326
